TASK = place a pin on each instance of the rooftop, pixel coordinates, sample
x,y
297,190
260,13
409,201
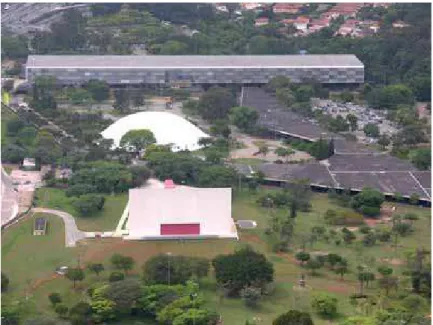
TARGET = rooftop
x,y
192,61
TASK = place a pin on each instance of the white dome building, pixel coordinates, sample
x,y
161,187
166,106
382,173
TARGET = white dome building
x,y
167,128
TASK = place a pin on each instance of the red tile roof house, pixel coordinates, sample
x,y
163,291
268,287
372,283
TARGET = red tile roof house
x,y
261,21
301,23
318,24
250,5
345,30
287,8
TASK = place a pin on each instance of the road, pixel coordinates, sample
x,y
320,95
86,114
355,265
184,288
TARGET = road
x,y
72,233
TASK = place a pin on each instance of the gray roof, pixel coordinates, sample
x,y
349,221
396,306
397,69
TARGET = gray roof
x,y
193,61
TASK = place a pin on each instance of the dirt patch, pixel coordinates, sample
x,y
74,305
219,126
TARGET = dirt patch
x,y
393,261
252,238
339,288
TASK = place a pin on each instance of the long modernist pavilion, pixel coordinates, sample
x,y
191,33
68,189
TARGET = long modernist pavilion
x,y
210,69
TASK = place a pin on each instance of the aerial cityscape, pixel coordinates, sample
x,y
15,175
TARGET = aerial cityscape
x,y
216,163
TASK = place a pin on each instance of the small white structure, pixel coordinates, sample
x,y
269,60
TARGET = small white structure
x,y
167,128
180,212
29,163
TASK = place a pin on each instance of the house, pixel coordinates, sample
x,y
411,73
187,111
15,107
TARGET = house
x,y
287,8
221,7
180,212
345,31
250,6
400,24
370,24
344,9
287,22
318,24
262,21
301,23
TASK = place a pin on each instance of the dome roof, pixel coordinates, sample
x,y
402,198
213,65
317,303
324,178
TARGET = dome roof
x,y
167,128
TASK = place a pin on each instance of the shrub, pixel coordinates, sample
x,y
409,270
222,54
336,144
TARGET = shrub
x,y
325,305
61,310
414,199
251,296
369,239
55,298
116,276
403,229
80,189
293,317
88,204
348,236
364,229
4,283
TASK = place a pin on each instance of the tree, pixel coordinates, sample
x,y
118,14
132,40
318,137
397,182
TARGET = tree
x,y
27,135
216,103
172,47
140,175
80,313
325,304
293,317
313,264
263,149
368,202
54,298
353,121
389,97
285,96
251,296
14,47
122,100
243,117
421,158
403,229
277,82
341,268
369,239
13,126
371,130
4,283
283,152
181,268
116,276
213,156
388,282
414,198
243,268
9,315
348,236
384,141
304,93
125,263
302,257
137,139
333,260
75,274
99,90
124,294
88,204
96,267
346,96
220,128
217,176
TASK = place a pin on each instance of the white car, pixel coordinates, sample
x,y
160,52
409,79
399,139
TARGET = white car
x,y
62,270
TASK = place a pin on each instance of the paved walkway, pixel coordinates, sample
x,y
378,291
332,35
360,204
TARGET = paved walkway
x,y
72,233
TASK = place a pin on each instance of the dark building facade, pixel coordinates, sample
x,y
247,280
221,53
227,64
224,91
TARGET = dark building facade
x,y
166,70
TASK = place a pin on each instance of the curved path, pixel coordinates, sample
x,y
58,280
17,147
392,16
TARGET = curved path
x,y
72,233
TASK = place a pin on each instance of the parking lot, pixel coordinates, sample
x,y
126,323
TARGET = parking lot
x,y
364,114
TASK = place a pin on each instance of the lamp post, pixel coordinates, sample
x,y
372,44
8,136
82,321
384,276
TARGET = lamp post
x,y
168,263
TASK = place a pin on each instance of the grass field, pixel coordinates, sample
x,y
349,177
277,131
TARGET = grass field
x,y
105,220
21,261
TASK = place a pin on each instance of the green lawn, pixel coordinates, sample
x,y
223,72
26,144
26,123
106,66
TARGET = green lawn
x,y
105,220
23,260
29,260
